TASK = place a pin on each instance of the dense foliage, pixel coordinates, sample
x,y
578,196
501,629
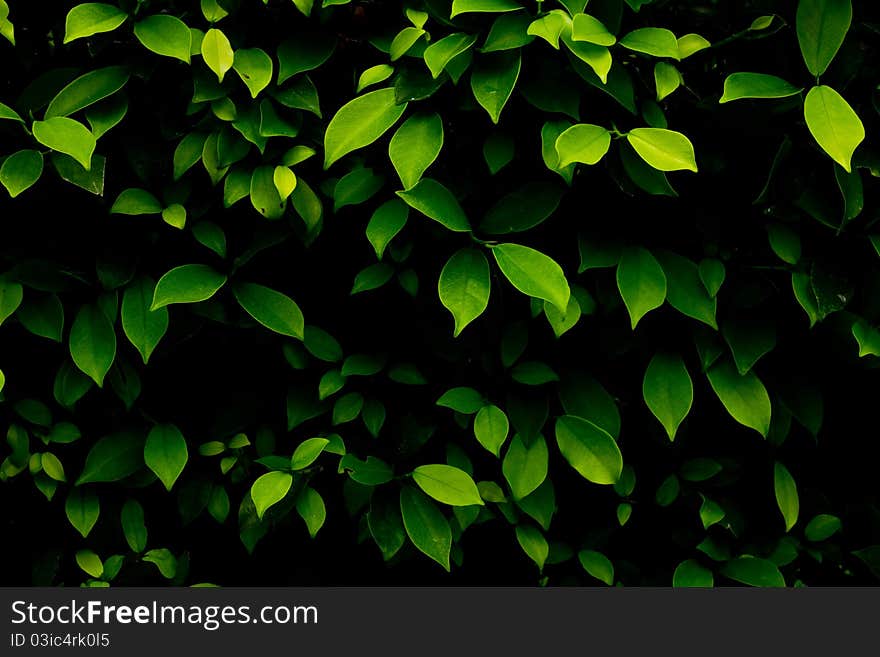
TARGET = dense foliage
x,y
527,291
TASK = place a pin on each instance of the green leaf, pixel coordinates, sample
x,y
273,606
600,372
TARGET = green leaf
x,y
834,124
523,208
310,507
415,146
490,428
493,79
665,150
386,524
347,408
133,527
550,26
464,287
20,171
690,44
487,6
589,449
387,221
134,201
165,35
464,400
744,396
90,563
666,79
447,484
372,472
690,573
525,467
821,28
43,317
533,273
307,452
436,202
165,453
87,90
11,295
307,51
587,28
66,136
641,282
217,52
187,284
533,543
272,309
785,242
112,458
82,508
425,525
753,572
668,391
756,85
585,143
374,75
9,114
748,341
508,32
7,29
254,67
822,527
93,342
655,41
372,277
143,327
164,561
92,18
269,489
264,193
597,565
786,495
867,337
404,40
360,122
438,55
175,216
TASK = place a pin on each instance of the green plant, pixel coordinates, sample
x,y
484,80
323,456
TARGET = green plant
x,y
597,281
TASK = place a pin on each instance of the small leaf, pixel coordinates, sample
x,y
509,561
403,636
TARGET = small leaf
x,y
822,527
597,565
307,452
587,28
374,75
756,85
425,525
668,391
690,573
786,495
112,458
90,563
93,343
493,80
744,396
533,273
166,453
665,150
447,484
436,202
589,449
143,327
310,507
269,489
415,146
186,284
272,309
584,143
753,572
360,122
20,171
66,136
490,428
463,400
165,35
834,124
92,18
82,509
217,52
666,79
438,55
525,467
867,337
641,282
464,287
491,6
133,527
133,201
655,41
533,543
387,221
254,67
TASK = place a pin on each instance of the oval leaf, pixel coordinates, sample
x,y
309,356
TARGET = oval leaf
x,y
425,525
668,391
165,453
360,122
590,450
272,309
834,124
464,287
415,146
269,489
447,484
187,284
533,273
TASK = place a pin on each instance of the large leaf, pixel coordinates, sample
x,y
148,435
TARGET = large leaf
x,y
668,391
821,28
834,124
464,287
274,310
415,146
425,525
641,282
360,122
93,342
744,396
589,449
143,327
447,484
165,35
165,453
92,18
67,136
436,202
87,90
665,150
533,273
187,284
